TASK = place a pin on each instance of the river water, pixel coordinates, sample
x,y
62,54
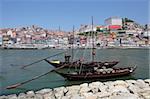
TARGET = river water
x,y
12,60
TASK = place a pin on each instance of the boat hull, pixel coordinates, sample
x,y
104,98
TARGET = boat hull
x,y
90,64
87,76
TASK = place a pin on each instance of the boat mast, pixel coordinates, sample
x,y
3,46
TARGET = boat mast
x,y
72,38
59,30
93,52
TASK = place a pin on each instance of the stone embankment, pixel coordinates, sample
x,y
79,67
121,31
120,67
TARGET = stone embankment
x,y
128,89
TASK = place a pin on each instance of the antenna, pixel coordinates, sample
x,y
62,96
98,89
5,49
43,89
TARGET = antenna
x,y
59,32
59,29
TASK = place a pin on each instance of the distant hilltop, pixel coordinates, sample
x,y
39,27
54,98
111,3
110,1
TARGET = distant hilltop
x,y
123,30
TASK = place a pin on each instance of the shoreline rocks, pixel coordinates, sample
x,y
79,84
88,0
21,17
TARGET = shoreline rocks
x,y
120,89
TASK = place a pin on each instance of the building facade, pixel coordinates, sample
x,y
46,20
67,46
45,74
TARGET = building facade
x,y
113,23
5,39
1,40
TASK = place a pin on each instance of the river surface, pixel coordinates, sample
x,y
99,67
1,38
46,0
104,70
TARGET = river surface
x,y
11,62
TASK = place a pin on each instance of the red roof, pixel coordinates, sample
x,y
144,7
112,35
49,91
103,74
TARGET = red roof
x,y
114,27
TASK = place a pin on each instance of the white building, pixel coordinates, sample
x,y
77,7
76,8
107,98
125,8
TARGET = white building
x,y
86,28
1,39
147,33
10,33
113,21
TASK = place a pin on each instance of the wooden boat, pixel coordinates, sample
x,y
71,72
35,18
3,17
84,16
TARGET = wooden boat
x,y
57,63
76,64
97,70
98,73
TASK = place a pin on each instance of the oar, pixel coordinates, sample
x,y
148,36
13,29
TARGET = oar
x,y
40,60
34,78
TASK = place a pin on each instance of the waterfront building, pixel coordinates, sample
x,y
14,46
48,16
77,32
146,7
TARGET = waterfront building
x,y
83,40
5,39
9,32
1,40
65,41
147,33
101,28
18,40
132,32
86,28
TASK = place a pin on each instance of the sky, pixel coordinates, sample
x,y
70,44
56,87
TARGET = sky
x,y
52,14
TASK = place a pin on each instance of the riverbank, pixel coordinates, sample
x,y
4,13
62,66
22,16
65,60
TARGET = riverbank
x,y
127,89
64,47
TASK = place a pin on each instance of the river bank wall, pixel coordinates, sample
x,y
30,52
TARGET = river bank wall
x,y
77,47
119,89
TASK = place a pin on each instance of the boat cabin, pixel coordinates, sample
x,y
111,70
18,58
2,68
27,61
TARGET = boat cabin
x,y
67,58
